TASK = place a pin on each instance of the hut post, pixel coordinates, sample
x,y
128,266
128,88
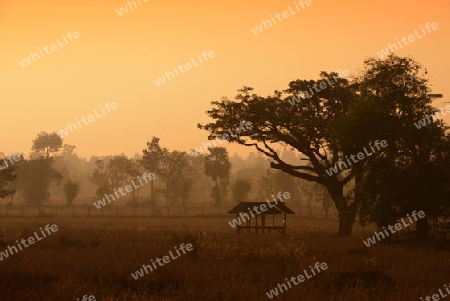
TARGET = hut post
x,y
237,226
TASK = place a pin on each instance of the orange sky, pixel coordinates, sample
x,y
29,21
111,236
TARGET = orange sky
x,y
117,58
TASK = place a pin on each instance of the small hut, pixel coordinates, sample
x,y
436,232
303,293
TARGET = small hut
x,y
246,209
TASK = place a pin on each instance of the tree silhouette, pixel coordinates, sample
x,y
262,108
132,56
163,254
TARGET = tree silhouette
x,y
112,174
45,144
7,177
217,165
34,178
412,172
152,160
241,189
71,190
305,127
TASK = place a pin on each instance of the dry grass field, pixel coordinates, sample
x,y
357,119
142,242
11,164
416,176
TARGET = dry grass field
x,y
96,256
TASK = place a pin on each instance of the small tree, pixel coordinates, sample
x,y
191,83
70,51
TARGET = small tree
x,y
46,144
71,190
241,190
34,178
217,165
152,158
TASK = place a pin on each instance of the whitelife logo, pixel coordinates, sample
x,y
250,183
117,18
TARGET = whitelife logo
x,y
165,259
430,118
90,118
263,207
188,66
16,157
27,61
128,189
53,228
318,267
284,15
435,297
371,240
411,38
124,9
225,137
338,166
323,85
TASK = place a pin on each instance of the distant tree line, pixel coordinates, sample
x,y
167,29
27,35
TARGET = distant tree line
x,y
54,172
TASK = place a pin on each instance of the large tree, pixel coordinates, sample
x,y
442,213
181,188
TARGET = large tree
x,y
304,127
412,173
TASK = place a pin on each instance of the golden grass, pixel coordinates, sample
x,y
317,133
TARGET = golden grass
x,y
93,256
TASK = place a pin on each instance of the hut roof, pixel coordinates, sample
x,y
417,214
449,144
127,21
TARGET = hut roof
x,y
274,208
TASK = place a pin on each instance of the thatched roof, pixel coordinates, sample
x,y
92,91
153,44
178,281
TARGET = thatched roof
x,y
272,209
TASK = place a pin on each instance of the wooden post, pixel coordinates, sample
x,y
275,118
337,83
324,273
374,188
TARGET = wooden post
x,y
117,210
263,222
284,222
237,216
89,211
21,210
256,224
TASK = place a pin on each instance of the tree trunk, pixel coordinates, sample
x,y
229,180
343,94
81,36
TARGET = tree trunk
x,y
217,196
346,219
347,213
152,196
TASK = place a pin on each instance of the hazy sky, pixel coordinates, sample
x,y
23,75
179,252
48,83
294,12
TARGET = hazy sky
x,y
117,58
